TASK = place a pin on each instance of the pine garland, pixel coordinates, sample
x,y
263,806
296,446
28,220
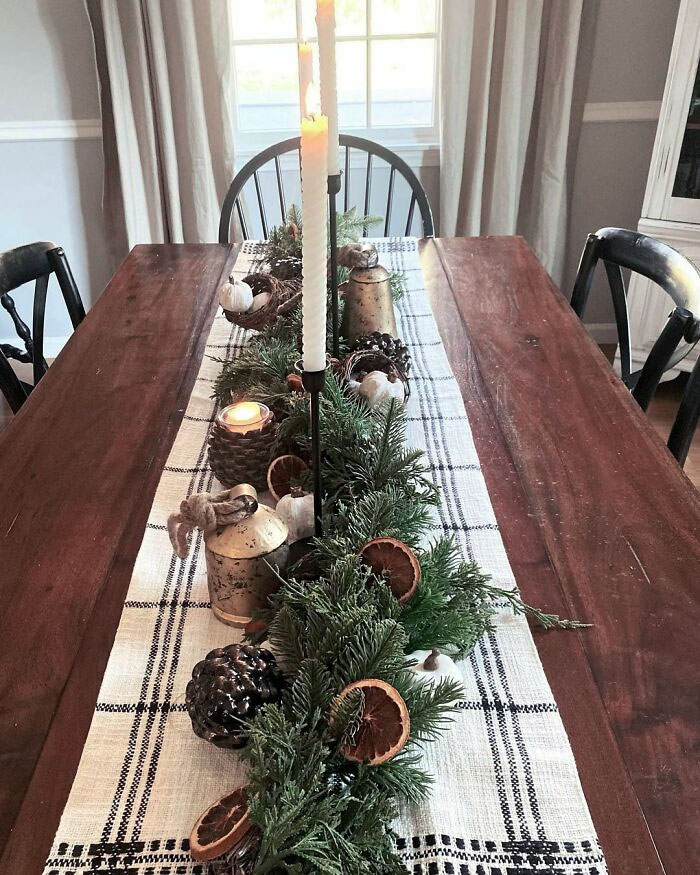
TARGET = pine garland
x,y
318,811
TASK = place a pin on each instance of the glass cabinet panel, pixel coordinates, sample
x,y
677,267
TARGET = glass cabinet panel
x,y
687,180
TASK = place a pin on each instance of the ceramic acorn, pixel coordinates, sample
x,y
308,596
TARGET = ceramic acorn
x,y
236,296
296,511
378,387
432,667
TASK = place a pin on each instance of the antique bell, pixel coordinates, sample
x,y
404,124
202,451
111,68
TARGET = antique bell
x,y
367,295
239,557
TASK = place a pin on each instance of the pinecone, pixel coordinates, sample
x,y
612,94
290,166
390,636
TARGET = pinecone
x,y
229,686
390,346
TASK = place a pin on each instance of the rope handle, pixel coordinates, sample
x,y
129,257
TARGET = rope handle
x,y
207,512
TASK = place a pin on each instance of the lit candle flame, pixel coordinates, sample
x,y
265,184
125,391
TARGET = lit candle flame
x,y
313,101
244,413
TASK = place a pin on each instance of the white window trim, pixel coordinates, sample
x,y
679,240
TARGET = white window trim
x,y
419,146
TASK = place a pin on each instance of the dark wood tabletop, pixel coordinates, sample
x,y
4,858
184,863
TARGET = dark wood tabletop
x,y
598,521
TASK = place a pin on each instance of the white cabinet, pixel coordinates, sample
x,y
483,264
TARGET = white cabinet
x,y
671,210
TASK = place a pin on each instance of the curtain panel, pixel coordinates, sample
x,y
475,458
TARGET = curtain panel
x,y
164,68
513,76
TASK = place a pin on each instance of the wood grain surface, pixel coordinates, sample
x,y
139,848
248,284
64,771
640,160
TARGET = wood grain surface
x,y
598,520
599,523
79,466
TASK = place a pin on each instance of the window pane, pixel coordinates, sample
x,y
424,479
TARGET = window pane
x,y
403,16
263,19
351,64
402,82
267,87
350,17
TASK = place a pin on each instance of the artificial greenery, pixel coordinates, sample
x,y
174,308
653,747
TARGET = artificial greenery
x,y
318,811
284,243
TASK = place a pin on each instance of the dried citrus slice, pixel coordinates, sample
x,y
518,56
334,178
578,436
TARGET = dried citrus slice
x,y
384,724
221,826
395,563
283,473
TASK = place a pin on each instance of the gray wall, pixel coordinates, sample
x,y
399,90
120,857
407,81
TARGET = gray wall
x,y
52,187
630,59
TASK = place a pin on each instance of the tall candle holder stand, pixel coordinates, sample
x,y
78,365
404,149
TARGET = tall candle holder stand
x,y
333,189
314,382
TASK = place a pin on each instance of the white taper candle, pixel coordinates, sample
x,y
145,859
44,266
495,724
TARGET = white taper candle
x,y
314,187
306,74
325,25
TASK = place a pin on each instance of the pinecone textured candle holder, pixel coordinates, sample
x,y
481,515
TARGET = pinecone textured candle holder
x,y
241,458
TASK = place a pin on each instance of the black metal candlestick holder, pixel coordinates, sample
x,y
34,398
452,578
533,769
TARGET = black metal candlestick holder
x,y
333,189
314,382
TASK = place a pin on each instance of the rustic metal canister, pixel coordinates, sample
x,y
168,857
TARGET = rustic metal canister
x,y
368,302
239,576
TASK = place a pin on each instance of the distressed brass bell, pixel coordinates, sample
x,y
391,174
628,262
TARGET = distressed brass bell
x,y
369,305
239,557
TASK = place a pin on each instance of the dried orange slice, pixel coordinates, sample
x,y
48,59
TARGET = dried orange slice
x,y
221,826
395,563
384,724
283,473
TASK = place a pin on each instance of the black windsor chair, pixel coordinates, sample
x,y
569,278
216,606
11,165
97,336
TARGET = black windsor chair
x,y
618,248
33,262
372,150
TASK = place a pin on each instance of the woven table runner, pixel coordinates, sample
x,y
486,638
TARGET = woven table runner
x,y
507,798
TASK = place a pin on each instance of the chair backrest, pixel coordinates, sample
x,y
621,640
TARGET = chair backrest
x,y
34,262
374,153
620,249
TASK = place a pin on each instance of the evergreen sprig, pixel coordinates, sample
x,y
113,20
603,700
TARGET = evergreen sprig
x,y
318,811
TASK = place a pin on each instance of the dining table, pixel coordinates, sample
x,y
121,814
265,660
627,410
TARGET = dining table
x,y
598,520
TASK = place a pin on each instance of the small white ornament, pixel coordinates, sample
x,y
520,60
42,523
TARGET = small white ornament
x,y
296,510
235,296
353,386
378,387
432,667
259,302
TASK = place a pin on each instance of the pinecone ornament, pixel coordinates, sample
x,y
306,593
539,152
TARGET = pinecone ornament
x,y
228,687
391,347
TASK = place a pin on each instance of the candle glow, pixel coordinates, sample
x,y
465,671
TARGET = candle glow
x,y
314,174
325,25
244,416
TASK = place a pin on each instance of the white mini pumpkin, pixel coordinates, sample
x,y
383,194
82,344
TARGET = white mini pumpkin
x,y
259,301
439,666
296,510
378,387
236,296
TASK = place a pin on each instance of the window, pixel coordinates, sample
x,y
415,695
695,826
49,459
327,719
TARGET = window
x,y
386,59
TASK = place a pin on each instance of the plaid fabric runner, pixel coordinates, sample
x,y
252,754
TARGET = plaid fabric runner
x,y
507,798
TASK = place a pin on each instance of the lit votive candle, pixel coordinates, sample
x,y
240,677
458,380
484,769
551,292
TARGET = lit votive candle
x,y
244,416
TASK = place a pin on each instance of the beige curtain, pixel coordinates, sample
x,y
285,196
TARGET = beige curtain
x,y
165,90
513,75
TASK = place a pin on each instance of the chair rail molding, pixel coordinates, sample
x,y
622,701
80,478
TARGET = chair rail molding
x,y
622,111
51,129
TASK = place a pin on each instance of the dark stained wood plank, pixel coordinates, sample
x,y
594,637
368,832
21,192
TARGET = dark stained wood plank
x,y
617,523
78,470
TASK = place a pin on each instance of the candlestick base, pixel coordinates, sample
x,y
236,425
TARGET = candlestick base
x,y
333,189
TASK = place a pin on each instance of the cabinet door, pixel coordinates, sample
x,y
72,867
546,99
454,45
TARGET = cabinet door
x,y
673,187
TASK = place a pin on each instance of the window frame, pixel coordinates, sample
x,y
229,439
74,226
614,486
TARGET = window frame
x,y
418,145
